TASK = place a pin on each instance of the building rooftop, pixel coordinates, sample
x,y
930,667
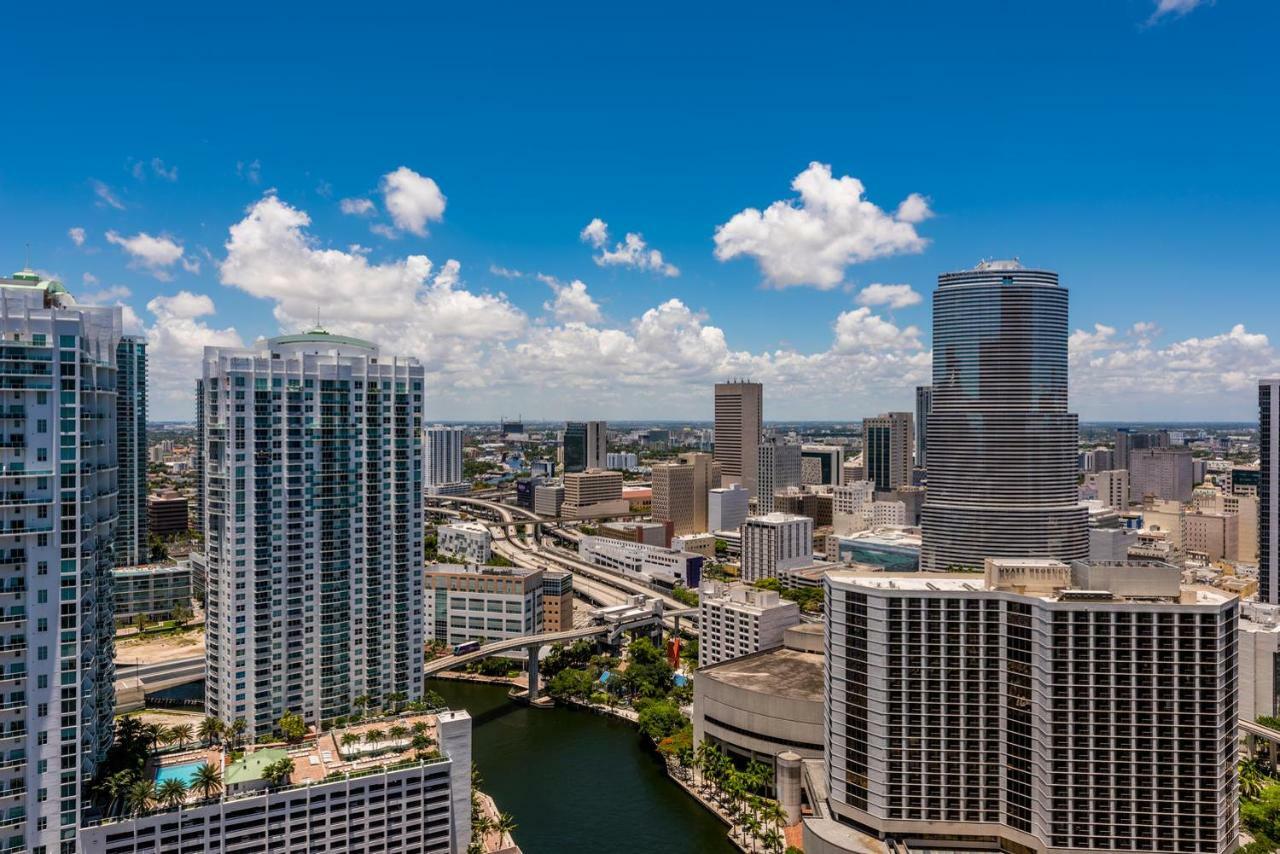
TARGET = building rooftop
x,y
477,569
780,671
250,769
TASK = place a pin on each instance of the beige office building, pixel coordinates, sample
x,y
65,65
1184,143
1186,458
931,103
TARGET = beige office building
x,y
592,493
680,492
1211,536
739,412
1113,488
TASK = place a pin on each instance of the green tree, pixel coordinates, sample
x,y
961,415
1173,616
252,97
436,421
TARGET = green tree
x,y
373,736
207,781
181,734
210,730
172,792
140,797
293,727
660,718
571,684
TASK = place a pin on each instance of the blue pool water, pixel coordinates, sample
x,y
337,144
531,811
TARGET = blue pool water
x,y
185,772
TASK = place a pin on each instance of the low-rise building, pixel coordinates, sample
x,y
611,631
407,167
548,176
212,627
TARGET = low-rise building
x,y
336,798
661,566
648,533
738,619
1259,647
548,499
773,543
759,705
593,493
468,541
151,592
699,544
167,513
482,603
557,600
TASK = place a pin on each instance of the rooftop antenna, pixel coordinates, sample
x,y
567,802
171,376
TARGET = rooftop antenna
x,y
27,264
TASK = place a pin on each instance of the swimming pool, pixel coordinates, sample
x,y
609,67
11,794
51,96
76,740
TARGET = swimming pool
x,y
185,772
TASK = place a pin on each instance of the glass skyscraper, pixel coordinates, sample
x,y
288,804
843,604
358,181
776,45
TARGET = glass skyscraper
x,y
131,443
1001,443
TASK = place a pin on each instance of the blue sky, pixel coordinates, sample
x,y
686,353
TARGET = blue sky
x,y
193,166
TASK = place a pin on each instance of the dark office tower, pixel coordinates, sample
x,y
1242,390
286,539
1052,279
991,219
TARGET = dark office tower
x,y
131,450
924,403
1269,491
1127,441
583,445
1002,446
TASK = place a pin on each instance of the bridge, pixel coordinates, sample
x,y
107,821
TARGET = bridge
x,y
135,681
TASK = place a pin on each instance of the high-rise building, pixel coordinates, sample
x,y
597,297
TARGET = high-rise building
x,y
313,506
821,465
1113,488
1161,473
594,492
886,450
924,404
680,492
58,491
197,459
1269,491
584,445
739,619
442,455
773,543
1002,446
739,413
727,508
131,448
968,714
1127,441
777,468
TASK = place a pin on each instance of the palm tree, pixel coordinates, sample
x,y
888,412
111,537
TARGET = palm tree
x,y
210,730
751,825
363,702
117,786
420,727
154,734
772,840
207,781
238,727
395,698
398,732
129,729
505,825
172,792
773,813
140,797
373,736
278,773
348,739
181,734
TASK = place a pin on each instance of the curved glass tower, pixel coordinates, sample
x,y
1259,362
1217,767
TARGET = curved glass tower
x,y
1002,446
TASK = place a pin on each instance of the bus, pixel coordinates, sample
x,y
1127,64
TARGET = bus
x,y
465,647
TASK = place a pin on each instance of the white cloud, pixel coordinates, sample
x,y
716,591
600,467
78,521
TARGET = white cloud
x,y
154,254
398,303
106,196
112,295
1130,375
596,233
77,235
413,200
894,296
175,346
914,209
505,272
859,330
89,279
191,265
632,251
384,231
357,207
572,303
1177,8
811,241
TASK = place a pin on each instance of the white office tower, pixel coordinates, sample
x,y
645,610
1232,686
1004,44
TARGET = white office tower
x,y
339,797
852,507
778,468
313,528
1047,708
442,452
775,542
727,508
1113,489
738,619
58,471
1002,445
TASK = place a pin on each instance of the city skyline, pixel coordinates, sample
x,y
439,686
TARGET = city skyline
x,y
537,298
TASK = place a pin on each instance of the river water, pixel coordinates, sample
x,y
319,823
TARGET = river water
x,y
579,782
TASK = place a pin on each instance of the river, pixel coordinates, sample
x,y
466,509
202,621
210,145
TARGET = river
x,y
579,782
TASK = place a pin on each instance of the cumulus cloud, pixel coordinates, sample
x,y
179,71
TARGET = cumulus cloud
x,y
631,251
155,254
572,303
894,296
175,345
89,279
1130,375
357,207
860,330
413,200
811,240
112,295
505,272
77,235
1176,8
106,196
406,304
